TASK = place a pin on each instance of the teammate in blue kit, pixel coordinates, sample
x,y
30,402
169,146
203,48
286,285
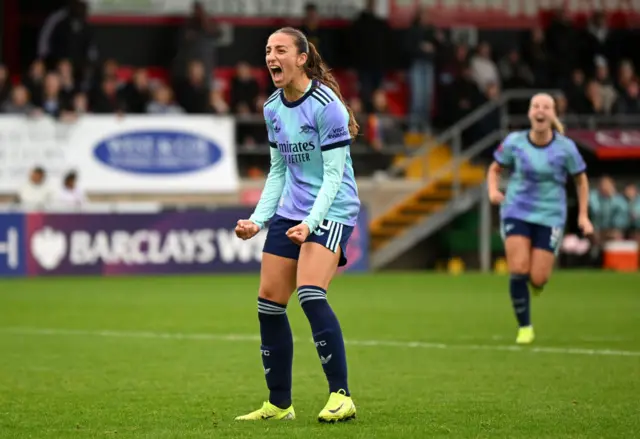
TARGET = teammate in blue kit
x,y
311,200
533,212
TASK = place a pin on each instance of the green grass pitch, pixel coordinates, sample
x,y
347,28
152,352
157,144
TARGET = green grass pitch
x,y
429,356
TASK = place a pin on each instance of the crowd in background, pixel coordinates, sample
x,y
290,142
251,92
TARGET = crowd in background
x,y
615,215
447,77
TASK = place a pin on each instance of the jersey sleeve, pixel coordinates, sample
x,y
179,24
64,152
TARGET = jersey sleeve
x,y
333,126
575,163
274,184
503,155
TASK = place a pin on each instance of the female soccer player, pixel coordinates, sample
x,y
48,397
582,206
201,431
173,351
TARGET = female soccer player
x,y
312,192
533,213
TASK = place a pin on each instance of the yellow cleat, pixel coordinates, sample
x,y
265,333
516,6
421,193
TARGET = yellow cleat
x,y
339,408
536,290
525,335
269,411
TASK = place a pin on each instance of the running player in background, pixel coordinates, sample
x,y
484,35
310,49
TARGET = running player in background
x,y
311,200
533,213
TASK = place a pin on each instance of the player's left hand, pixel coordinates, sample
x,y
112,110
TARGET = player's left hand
x,y
299,233
585,225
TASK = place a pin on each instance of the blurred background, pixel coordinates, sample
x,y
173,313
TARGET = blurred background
x,y
132,136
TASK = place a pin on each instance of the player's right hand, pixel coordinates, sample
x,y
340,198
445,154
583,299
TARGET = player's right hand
x,y
246,229
496,197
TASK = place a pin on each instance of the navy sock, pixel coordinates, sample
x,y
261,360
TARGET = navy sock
x,y
327,335
520,298
276,350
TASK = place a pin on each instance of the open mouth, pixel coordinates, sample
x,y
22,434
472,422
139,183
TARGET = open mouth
x,y
540,119
276,73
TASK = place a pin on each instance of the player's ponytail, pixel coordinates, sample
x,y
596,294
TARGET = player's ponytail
x,y
315,68
557,125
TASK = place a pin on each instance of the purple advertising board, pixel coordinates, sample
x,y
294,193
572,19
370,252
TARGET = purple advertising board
x,y
160,243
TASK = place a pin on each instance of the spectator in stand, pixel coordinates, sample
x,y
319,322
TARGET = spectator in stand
x,y
629,101
67,82
562,105
633,198
466,94
537,55
453,74
575,93
198,41
244,88
5,83
515,73
609,212
107,99
80,104
136,93
35,81
563,44
423,49
596,105
66,34
483,68
311,28
626,75
193,93
162,102
79,107
35,193
385,128
53,101
70,196
217,104
597,41
19,103
369,37
607,88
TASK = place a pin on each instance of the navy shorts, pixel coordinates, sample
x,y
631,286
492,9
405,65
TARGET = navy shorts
x,y
542,237
330,234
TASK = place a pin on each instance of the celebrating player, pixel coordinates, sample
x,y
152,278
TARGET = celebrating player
x,y
534,211
312,192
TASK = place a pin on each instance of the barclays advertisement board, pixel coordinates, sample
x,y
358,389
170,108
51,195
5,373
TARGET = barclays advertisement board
x,y
43,244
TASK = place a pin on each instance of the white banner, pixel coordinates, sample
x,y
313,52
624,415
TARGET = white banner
x,y
235,8
133,154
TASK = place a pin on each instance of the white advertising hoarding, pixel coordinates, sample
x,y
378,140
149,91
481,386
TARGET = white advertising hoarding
x,y
130,154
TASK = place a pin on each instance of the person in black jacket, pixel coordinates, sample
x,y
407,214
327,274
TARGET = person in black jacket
x,y
369,36
422,47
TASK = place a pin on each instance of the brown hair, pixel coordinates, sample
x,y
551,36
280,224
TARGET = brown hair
x,y
315,68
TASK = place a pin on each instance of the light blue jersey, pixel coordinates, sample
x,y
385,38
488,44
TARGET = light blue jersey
x,y
311,177
536,192
608,213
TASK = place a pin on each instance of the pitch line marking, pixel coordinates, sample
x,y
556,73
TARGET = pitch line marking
x,y
364,343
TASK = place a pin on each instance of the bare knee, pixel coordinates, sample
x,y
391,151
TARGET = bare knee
x,y
538,277
274,294
519,265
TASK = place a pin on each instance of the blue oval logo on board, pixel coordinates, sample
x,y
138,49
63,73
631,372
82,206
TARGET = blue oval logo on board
x,y
158,152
